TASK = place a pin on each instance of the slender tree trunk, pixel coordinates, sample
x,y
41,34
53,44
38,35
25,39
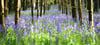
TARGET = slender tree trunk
x,y
44,7
85,1
73,4
32,9
17,7
62,2
59,5
99,3
70,6
37,2
24,4
80,11
41,7
96,5
6,7
49,5
10,5
66,6
90,11
2,14
55,1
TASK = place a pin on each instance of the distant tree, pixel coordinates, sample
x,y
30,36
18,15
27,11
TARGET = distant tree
x,y
11,5
6,7
96,5
66,6
74,14
41,7
37,6
32,9
62,6
70,6
44,7
80,11
90,12
59,5
55,1
85,3
99,3
48,4
2,14
24,4
17,7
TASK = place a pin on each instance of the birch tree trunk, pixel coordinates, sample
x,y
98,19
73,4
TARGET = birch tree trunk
x,y
2,14
90,12
80,11
17,7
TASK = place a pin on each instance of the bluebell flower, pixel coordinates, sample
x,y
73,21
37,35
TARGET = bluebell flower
x,y
1,28
98,31
65,36
59,28
95,23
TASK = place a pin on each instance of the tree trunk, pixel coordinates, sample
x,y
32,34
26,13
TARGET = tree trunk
x,y
17,7
6,7
80,11
62,2
10,5
37,6
96,5
44,7
99,3
24,4
2,14
90,12
73,4
49,5
41,7
85,1
66,7
55,1
32,9
70,6
59,5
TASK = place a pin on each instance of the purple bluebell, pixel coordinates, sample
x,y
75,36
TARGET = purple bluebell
x,y
98,31
95,23
59,30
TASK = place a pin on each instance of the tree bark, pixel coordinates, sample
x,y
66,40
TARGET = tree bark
x,y
62,2
59,5
80,11
17,7
96,5
6,7
32,9
70,7
44,7
41,7
66,7
37,6
2,14
73,4
90,12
